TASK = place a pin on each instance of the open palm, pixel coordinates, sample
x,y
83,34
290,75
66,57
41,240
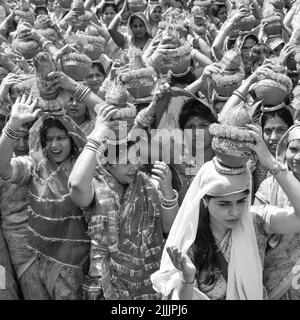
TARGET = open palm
x,y
25,109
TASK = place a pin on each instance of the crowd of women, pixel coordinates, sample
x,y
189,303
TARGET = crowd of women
x,y
149,149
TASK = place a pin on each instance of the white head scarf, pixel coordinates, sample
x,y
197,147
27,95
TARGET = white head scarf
x,y
292,134
244,268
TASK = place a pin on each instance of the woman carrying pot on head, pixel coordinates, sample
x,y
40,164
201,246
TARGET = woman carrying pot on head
x,y
216,246
126,213
57,230
283,250
139,32
154,15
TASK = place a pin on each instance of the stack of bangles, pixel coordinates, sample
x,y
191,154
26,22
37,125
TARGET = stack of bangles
x,y
226,27
11,133
96,146
16,70
240,95
144,119
81,92
169,204
44,42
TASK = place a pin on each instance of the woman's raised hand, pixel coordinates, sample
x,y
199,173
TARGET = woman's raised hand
x,y
182,263
104,122
24,110
163,175
68,48
161,91
58,79
259,146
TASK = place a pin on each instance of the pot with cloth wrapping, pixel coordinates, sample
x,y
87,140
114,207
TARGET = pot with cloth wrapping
x,y
138,78
230,136
27,47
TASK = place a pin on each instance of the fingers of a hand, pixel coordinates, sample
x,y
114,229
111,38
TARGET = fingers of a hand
x,y
29,99
36,113
110,114
23,99
18,100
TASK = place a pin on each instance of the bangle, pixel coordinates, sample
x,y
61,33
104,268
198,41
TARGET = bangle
x,y
240,95
187,282
169,203
170,207
16,69
81,92
12,133
276,170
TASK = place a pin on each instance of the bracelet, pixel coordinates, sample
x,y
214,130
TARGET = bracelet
x,y
170,207
46,43
81,92
168,203
144,119
16,69
12,133
187,282
276,170
95,146
240,95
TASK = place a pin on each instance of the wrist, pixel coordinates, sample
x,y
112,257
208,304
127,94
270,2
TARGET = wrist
x,y
14,123
188,279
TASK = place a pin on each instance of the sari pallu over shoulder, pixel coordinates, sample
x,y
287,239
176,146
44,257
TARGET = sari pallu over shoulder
x,y
57,227
130,236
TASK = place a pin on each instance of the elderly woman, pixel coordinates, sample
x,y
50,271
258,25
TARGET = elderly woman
x,y
216,247
283,250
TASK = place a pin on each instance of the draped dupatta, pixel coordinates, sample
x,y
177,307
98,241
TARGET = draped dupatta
x,y
57,227
244,268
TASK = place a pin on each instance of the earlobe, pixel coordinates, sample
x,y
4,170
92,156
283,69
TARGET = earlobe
x,y
205,203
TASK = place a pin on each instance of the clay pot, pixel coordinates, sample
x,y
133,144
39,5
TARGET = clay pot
x,y
231,153
225,84
247,23
137,6
140,88
270,92
75,69
273,28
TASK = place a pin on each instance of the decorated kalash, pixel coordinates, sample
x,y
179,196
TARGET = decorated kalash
x,y
172,31
230,138
138,78
124,118
228,79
